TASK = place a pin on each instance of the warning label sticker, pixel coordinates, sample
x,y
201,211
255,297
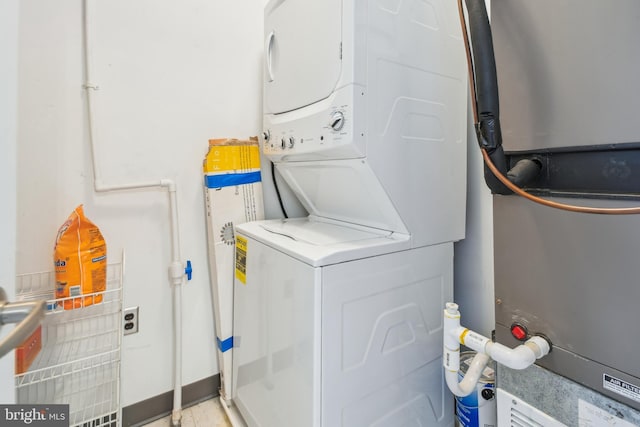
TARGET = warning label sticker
x,y
241,259
621,387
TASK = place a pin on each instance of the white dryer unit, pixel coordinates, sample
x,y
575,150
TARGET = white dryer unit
x,y
365,106
337,316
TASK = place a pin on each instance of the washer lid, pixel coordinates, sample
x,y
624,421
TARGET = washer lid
x,y
319,242
320,233
303,58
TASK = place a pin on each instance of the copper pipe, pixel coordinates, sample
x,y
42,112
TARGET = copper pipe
x,y
472,80
519,191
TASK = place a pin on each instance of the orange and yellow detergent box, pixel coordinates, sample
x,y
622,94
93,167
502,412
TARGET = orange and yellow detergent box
x,y
80,258
28,350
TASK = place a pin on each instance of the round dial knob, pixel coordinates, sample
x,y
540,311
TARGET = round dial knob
x,y
292,142
337,120
266,135
283,143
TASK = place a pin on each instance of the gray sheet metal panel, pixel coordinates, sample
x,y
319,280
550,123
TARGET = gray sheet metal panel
x,y
559,397
567,75
567,72
575,278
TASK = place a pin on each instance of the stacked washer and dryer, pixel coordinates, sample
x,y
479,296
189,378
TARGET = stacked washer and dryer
x,y
338,315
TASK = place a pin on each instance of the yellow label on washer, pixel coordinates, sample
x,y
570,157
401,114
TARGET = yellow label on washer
x,y
241,259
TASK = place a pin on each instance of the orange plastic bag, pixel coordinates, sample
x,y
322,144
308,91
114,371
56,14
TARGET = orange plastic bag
x,y
80,256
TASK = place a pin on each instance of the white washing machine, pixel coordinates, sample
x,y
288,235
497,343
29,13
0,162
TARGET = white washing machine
x,y
337,316
328,335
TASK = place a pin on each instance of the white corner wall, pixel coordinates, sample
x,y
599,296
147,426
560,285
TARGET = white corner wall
x,y
171,75
8,120
473,256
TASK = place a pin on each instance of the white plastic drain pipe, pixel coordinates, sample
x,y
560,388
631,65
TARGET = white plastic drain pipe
x,y
520,357
177,269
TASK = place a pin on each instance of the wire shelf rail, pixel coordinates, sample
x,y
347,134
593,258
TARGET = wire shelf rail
x,y
79,362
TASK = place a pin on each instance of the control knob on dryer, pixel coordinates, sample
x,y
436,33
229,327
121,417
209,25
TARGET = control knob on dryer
x,y
337,121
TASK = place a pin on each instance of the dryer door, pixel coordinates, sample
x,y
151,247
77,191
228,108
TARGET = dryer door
x,y
302,52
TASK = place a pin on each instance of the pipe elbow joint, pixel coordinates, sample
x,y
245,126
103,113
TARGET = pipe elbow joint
x,y
470,379
522,356
98,185
169,184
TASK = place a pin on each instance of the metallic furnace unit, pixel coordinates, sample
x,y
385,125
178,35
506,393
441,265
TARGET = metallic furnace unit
x,y
570,98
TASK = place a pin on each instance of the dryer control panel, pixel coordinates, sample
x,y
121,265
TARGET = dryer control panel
x,y
325,130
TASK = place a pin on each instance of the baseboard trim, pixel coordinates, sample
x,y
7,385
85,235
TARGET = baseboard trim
x,y
160,406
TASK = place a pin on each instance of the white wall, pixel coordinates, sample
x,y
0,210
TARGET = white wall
x,y
473,260
8,117
171,76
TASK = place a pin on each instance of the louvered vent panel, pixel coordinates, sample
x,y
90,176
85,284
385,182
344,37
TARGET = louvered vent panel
x,y
518,419
514,412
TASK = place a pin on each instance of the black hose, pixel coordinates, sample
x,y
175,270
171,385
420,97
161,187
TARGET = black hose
x,y
275,185
488,128
500,161
483,59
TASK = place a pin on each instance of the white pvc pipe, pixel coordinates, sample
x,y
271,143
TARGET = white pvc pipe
x,y
453,335
451,342
176,413
520,357
176,273
470,379
176,268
